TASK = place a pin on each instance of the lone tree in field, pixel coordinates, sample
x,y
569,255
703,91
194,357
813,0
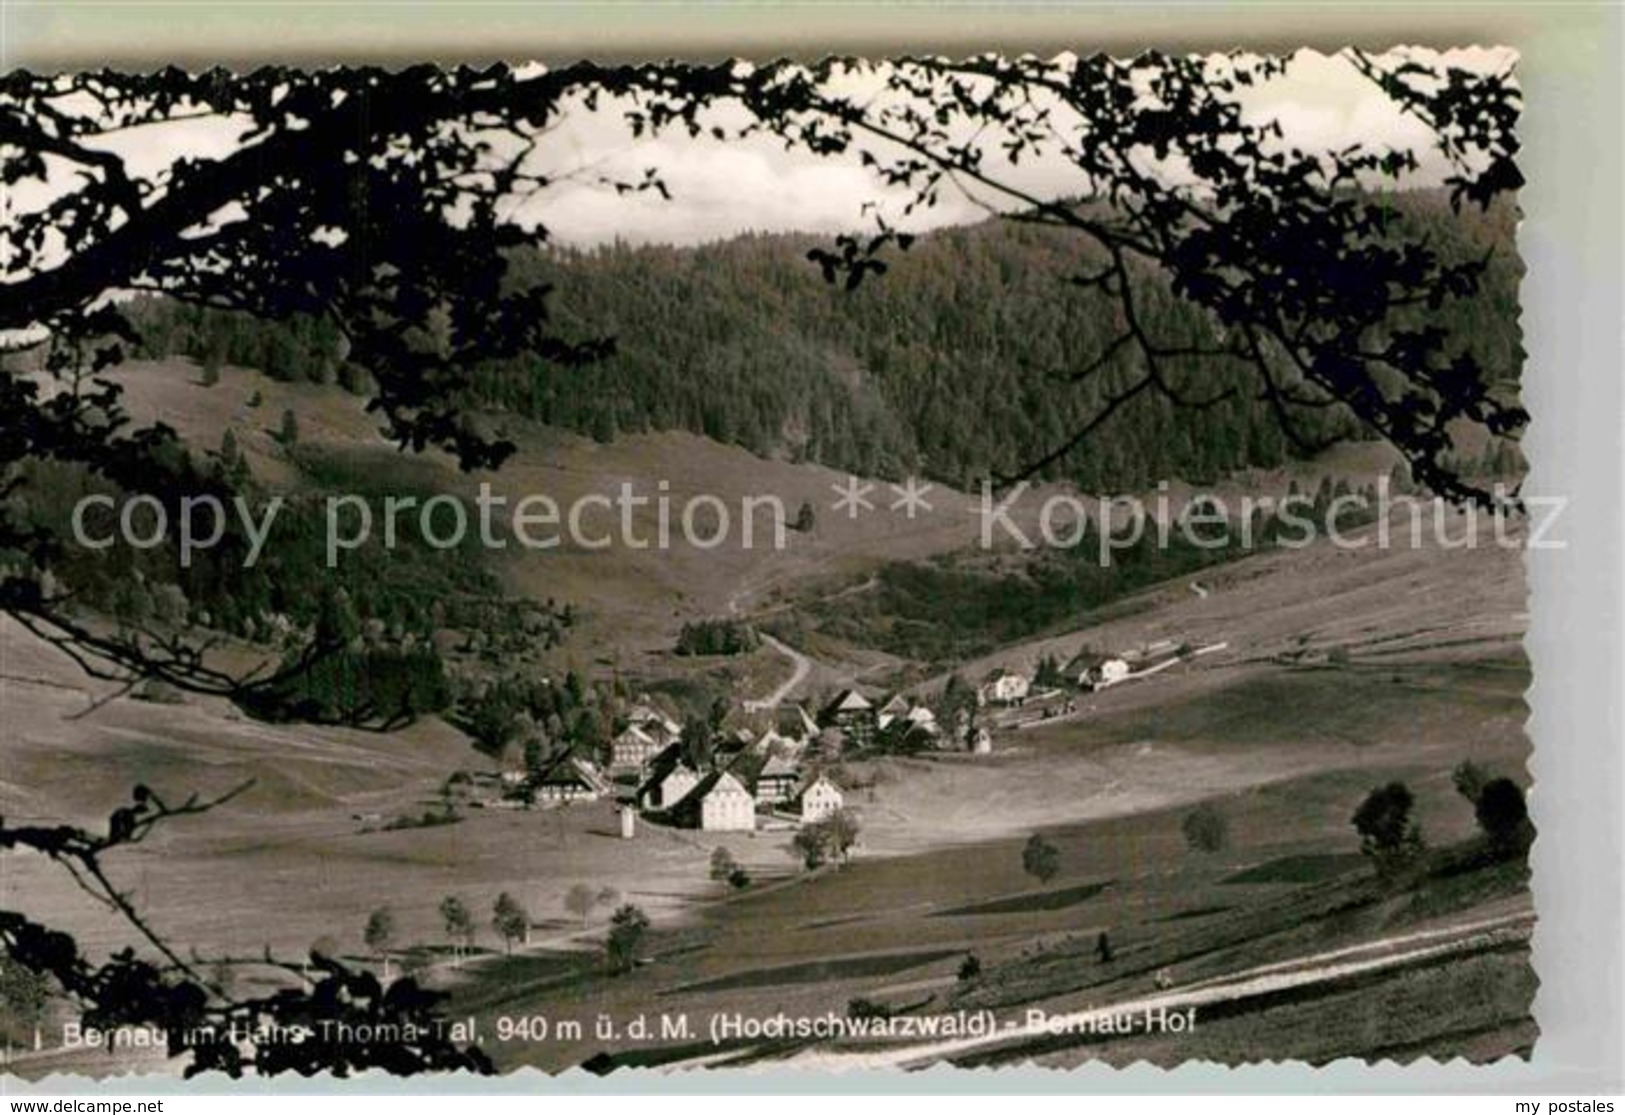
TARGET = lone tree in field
x,y
1388,834
819,842
723,865
627,929
388,207
1503,814
841,831
580,901
809,844
288,432
510,920
1040,859
379,936
1206,828
459,926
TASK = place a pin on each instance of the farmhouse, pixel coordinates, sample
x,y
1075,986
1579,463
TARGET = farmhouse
x,y
1004,687
896,706
853,714
776,781
1089,670
665,788
654,723
818,800
570,779
633,749
719,803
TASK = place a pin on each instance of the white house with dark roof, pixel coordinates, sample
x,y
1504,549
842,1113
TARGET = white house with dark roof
x,y
667,789
819,799
1089,670
724,804
570,780
1005,687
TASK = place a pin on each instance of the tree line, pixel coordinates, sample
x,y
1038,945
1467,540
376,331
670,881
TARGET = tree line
x,y
955,367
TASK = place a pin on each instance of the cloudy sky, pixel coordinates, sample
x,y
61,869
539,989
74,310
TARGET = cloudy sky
x,y
720,189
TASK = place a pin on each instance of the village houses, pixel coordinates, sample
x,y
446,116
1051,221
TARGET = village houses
x,y
1004,687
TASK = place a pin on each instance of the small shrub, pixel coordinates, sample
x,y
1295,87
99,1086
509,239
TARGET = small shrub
x,y
722,864
1040,859
970,968
1206,829
626,932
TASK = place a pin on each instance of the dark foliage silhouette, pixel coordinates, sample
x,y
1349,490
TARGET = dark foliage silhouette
x,y
380,207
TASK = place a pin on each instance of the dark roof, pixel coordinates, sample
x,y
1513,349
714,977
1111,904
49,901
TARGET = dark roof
x,y
847,700
1085,660
666,760
897,704
793,720
688,810
812,780
571,771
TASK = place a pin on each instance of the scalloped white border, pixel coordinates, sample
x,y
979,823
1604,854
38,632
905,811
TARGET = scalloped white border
x,y
1573,302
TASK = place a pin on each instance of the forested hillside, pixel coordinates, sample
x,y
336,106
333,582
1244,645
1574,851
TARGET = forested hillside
x,y
955,364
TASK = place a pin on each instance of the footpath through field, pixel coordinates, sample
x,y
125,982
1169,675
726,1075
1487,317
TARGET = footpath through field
x,y
1326,967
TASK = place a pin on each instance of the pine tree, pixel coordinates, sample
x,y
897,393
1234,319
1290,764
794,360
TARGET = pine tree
x,y
289,433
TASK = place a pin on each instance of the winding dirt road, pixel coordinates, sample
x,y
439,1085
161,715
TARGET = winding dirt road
x,y
802,667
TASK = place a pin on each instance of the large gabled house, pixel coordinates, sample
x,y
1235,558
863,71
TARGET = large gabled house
x,y
668,781
893,708
718,803
633,749
777,780
1004,687
1089,670
852,713
654,723
570,780
818,799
